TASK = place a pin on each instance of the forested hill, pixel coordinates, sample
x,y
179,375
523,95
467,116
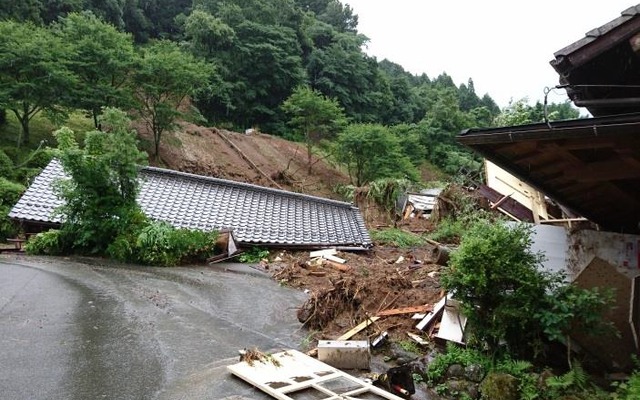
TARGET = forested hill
x,y
240,61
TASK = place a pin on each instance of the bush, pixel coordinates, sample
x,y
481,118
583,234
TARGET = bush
x,y
496,277
160,244
455,355
6,166
10,192
253,255
46,243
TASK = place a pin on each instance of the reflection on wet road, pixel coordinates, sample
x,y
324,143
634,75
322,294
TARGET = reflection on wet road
x,y
71,330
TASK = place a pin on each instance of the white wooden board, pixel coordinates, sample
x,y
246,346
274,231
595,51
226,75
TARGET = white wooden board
x,y
453,323
296,373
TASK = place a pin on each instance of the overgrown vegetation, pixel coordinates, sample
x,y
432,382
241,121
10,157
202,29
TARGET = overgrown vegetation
x,y
515,310
253,255
100,215
397,237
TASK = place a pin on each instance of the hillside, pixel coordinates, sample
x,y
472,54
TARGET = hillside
x,y
255,158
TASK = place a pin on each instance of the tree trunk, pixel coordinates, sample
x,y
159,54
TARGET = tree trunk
x,y
309,158
95,113
23,118
157,133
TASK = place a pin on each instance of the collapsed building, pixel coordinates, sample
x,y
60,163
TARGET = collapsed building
x,y
590,168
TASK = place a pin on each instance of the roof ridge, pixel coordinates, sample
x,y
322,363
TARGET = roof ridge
x,y
252,186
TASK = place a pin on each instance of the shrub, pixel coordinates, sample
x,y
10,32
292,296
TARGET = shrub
x,y
46,243
10,192
6,166
455,355
497,279
160,244
253,255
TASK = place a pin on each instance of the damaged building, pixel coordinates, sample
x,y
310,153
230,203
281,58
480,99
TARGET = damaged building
x,y
255,215
590,167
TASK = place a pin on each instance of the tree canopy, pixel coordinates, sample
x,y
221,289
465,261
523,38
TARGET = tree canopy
x,y
241,63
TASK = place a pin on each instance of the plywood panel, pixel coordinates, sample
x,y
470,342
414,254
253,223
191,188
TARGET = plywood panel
x,y
614,351
505,183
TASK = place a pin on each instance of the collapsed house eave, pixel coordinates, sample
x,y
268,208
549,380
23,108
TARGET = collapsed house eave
x,y
257,215
588,165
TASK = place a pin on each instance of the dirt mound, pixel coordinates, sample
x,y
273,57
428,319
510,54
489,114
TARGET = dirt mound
x,y
256,158
383,278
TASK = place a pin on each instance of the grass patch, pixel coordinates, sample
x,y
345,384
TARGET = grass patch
x,y
397,237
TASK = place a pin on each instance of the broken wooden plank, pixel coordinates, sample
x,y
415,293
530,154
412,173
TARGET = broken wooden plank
x,y
334,259
418,339
368,322
452,324
322,253
437,309
405,310
502,200
339,267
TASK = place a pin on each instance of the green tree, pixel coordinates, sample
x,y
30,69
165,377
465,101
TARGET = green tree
x,y
165,77
100,196
370,152
315,115
23,11
34,72
102,60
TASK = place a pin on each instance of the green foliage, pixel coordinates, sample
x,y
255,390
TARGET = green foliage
x,y
521,113
34,72
6,165
496,277
455,355
371,152
629,390
499,386
575,380
314,115
522,370
165,77
410,346
103,184
384,192
10,192
397,237
102,59
253,255
572,308
48,243
160,244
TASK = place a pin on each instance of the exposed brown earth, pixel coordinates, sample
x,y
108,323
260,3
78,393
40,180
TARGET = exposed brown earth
x,y
383,278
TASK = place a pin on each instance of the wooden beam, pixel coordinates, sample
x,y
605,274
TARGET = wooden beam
x,y
368,322
405,310
603,171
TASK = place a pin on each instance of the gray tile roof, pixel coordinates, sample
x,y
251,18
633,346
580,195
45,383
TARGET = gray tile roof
x,y
255,214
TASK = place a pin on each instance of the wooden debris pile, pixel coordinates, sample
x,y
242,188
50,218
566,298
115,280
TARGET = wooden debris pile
x,y
322,307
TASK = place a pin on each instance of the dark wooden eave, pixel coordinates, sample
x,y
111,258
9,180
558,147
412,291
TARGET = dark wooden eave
x,y
589,165
602,70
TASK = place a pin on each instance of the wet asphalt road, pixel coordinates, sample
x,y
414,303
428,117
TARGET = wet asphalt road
x,y
84,330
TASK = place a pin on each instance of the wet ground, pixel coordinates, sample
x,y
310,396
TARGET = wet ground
x,y
87,330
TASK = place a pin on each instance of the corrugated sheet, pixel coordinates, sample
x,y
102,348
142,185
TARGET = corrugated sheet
x,y
255,214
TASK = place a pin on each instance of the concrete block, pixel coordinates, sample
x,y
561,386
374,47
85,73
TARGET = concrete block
x,y
345,354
